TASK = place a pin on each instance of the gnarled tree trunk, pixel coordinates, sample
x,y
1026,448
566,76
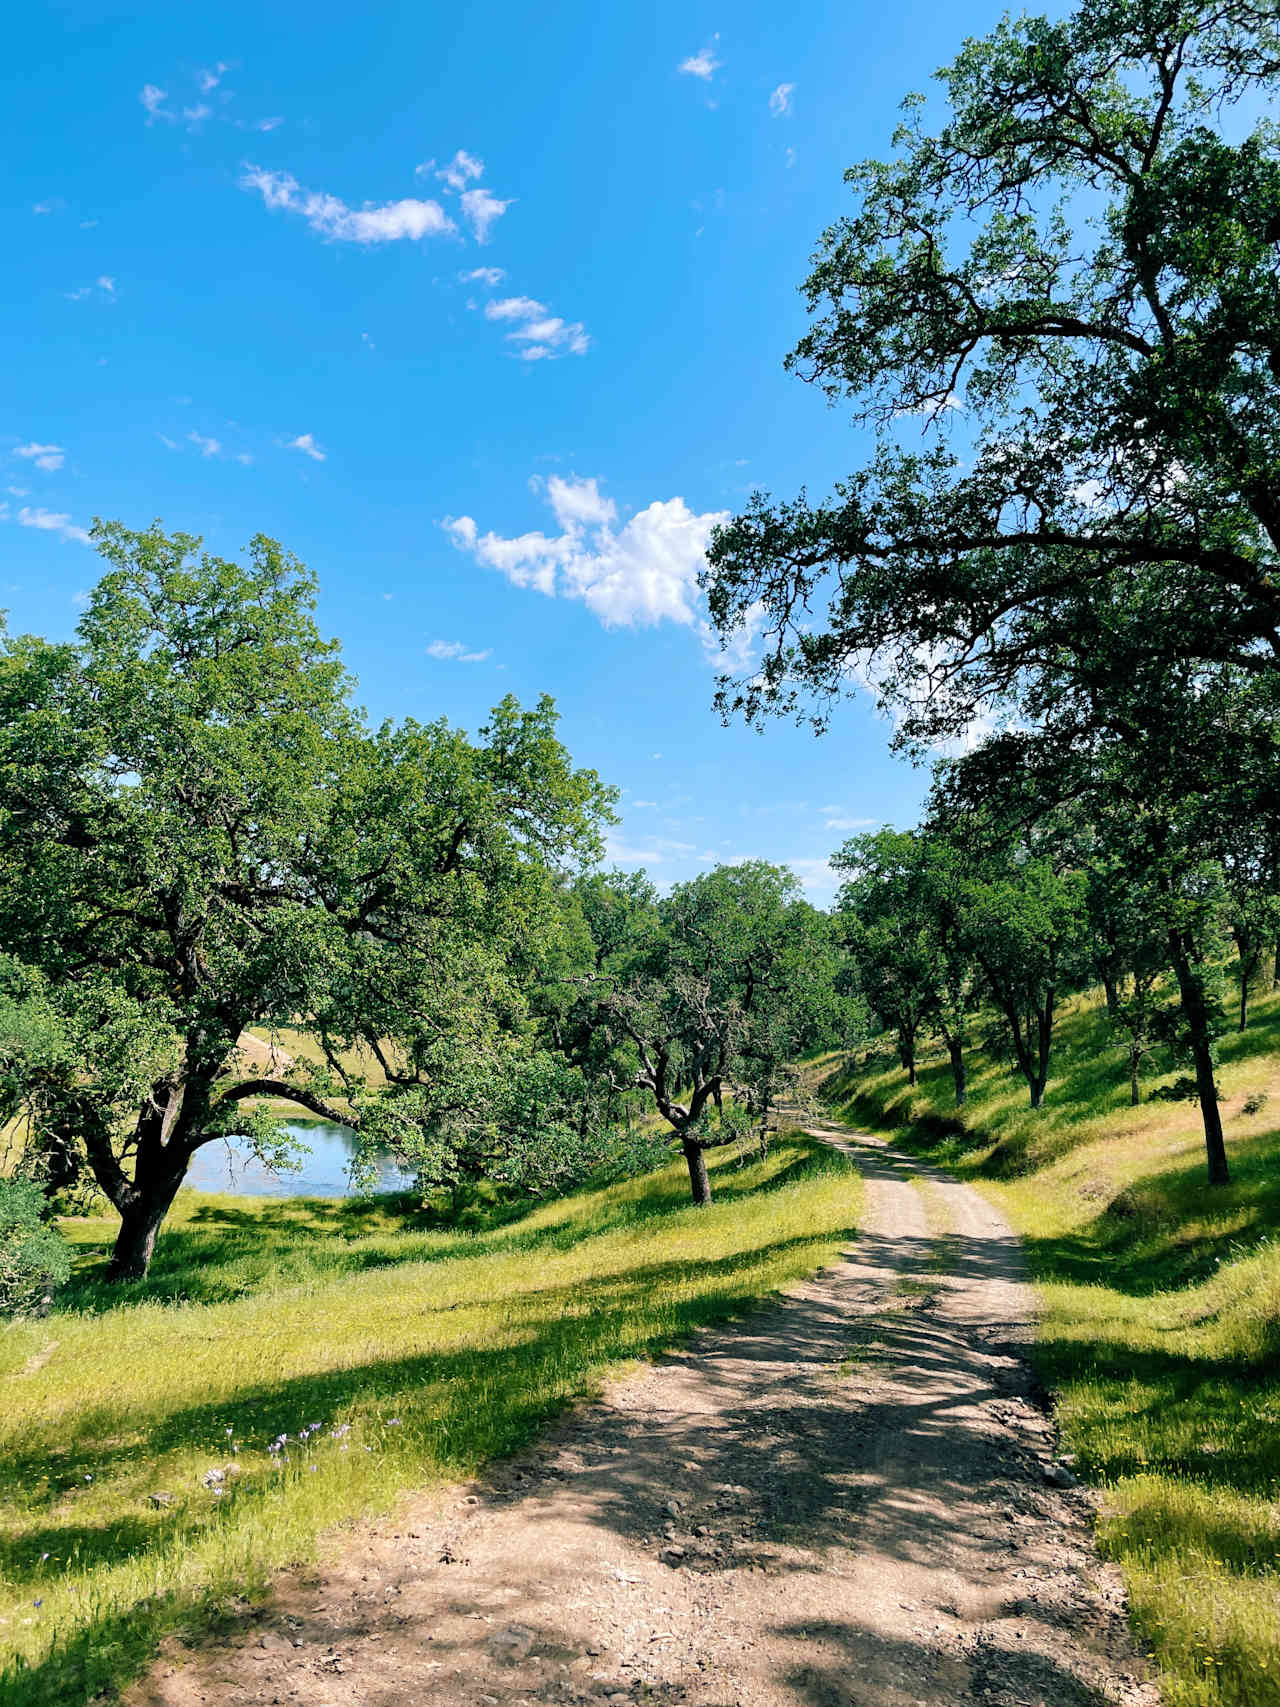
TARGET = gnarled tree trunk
x,y
699,1182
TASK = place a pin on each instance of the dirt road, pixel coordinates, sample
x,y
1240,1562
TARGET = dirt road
x,y
842,1501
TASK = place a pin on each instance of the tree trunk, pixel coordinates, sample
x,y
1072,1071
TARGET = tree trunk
x,y
907,1050
1275,968
140,1222
1195,1011
1135,1062
1244,995
1112,995
955,1050
699,1184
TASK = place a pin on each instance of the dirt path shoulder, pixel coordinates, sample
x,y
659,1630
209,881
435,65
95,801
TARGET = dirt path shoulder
x,y
841,1503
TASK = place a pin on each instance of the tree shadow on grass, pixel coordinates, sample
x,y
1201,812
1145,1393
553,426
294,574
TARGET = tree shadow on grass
x,y
1139,1243
224,1252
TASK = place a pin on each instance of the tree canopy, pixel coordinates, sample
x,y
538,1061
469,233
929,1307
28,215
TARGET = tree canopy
x,y
200,833
1071,285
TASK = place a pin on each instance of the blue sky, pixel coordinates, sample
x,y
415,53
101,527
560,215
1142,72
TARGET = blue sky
x,y
482,314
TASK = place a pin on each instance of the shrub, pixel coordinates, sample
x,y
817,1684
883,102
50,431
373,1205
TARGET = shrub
x,y
34,1257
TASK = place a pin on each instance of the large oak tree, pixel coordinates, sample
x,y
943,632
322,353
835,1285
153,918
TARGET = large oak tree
x,y
1072,285
200,833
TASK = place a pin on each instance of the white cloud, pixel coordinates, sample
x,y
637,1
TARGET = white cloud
x,y
206,446
48,521
545,334
332,218
169,444
43,207
815,874
842,822
780,100
488,276
18,491
104,283
459,171
48,457
703,64
481,211
305,442
791,158
514,308
656,851
641,573
242,456
198,114
153,100
453,651
580,503
210,79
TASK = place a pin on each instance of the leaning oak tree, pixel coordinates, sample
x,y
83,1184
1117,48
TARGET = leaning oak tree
x,y
200,834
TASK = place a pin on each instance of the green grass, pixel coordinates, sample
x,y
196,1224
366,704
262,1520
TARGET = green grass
x,y
1160,1333
433,1349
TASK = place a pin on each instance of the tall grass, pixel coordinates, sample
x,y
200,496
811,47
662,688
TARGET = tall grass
x,y
325,1357
1160,1332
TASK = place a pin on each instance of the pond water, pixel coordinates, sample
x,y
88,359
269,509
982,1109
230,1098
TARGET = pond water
x,y
230,1165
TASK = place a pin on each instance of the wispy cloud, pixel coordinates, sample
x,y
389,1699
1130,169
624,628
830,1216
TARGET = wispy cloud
x,y
332,218
153,99
50,521
105,284
842,821
459,172
48,457
637,574
487,276
454,652
544,335
210,78
481,210
702,64
780,100
306,443
206,446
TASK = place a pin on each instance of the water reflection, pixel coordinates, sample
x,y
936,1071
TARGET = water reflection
x,y
230,1165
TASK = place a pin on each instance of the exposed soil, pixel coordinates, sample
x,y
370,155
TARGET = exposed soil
x,y
841,1501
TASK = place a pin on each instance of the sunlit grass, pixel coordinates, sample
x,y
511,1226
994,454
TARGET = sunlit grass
x,y
1160,1332
413,1352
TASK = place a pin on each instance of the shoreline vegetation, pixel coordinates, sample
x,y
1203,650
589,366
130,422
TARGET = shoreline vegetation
x,y
167,1445
1159,1338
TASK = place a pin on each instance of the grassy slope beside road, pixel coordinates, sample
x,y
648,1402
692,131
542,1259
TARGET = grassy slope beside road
x,y
1161,1327
410,1354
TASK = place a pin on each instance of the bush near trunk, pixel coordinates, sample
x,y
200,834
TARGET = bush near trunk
x,y
34,1258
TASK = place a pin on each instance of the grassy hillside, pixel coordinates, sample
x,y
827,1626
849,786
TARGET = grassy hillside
x,y
390,1353
1161,1327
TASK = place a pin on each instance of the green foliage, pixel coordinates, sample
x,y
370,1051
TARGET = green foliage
x,y
1073,274
705,994
200,833
34,1258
